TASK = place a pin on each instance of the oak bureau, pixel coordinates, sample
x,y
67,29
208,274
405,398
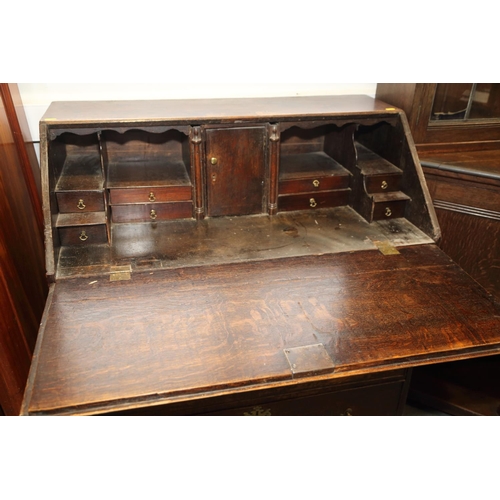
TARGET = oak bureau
x,y
272,256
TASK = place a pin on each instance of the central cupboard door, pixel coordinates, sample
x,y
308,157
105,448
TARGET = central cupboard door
x,y
236,171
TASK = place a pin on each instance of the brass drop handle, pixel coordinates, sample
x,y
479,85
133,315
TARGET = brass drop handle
x,y
152,196
312,203
213,160
83,236
388,212
316,183
153,215
384,185
348,413
80,204
258,411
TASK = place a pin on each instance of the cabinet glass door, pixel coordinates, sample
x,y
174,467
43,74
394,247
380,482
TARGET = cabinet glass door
x,y
466,101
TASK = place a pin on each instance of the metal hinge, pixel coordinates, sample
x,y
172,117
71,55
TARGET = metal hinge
x,y
386,247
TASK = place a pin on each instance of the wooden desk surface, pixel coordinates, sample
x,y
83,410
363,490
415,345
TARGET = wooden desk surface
x,y
192,332
195,111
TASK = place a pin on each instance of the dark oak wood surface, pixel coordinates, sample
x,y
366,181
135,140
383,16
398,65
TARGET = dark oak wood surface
x,y
259,294
206,331
210,110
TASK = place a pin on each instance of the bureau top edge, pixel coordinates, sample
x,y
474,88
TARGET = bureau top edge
x,y
214,110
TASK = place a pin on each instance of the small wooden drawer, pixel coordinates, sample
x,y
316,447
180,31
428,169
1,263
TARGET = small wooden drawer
x,y
382,183
313,184
80,201
314,200
383,399
389,210
83,235
150,195
152,212
388,205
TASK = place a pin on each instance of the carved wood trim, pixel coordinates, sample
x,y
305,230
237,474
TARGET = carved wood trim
x,y
274,161
465,209
195,136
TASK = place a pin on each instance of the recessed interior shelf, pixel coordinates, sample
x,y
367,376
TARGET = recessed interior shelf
x,y
77,162
371,163
309,165
152,172
217,240
138,158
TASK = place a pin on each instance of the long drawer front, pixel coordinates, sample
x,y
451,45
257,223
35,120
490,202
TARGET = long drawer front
x,y
150,195
294,186
312,200
152,212
383,399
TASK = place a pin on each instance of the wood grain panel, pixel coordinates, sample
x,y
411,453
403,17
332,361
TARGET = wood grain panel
x,y
236,182
218,329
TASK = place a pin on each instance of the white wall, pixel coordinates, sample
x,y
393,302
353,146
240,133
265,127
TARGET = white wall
x,y
37,96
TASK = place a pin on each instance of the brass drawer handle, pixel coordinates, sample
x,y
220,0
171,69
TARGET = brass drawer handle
x,y
312,203
258,411
81,205
388,212
153,215
83,236
347,413
152,196
316,183
384,185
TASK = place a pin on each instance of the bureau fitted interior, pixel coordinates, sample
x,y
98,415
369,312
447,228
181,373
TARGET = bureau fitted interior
x,y
243,256
165,196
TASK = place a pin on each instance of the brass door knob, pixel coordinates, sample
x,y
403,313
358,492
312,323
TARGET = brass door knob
x,y
213,161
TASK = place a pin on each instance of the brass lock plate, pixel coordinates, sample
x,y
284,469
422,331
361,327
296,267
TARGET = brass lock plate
x,y
120,273
309,360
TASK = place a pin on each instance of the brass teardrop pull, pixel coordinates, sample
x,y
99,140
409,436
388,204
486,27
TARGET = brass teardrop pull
x,y
153,215
316,183
312,203
80,204
388,212
384,185
152,196
83,236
